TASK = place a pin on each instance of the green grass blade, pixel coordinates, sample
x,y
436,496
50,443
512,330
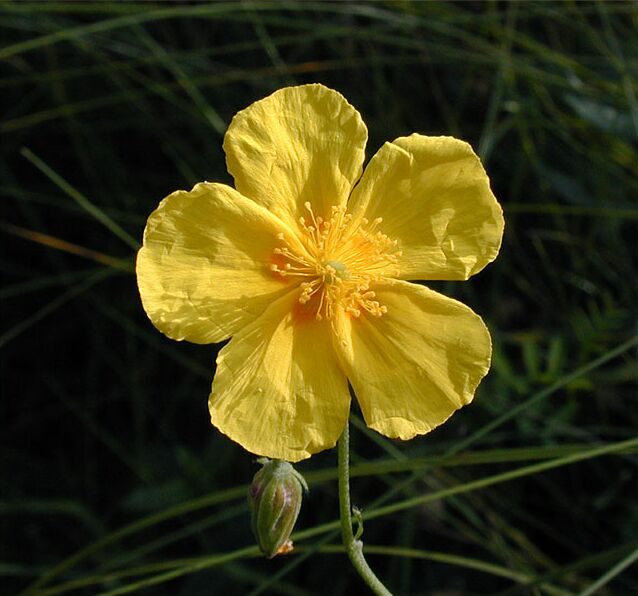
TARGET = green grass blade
x,y
81,200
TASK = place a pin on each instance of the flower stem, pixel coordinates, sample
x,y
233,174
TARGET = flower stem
x,y
354,547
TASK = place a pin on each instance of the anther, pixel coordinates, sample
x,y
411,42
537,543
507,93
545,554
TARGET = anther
x,y
340,261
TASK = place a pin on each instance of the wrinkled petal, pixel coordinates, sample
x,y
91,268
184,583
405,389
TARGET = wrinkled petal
x,y
414,366
435,200
299,144
278,390
203,270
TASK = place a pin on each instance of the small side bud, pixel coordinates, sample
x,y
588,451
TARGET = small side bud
x,y
275,500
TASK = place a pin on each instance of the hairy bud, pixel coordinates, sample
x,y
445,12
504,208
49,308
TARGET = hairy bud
x,y
275,500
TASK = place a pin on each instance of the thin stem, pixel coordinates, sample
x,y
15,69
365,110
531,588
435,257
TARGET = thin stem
x,y
354,547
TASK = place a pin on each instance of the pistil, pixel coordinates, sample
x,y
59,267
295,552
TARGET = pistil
x,y
339,262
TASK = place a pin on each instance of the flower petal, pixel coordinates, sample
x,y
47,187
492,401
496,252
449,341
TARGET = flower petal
x,y
299,144
278,390
435,199
414,366
203,270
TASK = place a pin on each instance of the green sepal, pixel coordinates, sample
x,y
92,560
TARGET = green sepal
x,y
275,501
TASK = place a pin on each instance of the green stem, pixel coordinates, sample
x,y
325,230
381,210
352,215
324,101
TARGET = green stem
x,y
354,547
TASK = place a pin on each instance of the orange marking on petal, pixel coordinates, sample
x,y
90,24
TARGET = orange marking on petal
x,y
339,262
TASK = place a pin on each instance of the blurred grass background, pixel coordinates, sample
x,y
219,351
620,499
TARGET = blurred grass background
x,y
113,481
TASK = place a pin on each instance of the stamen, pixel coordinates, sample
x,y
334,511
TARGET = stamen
x,y
335,262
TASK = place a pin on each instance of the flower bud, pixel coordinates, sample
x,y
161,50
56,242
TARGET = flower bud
x,y
275,500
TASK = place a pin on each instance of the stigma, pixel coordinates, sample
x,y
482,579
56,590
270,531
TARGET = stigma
x,y
336,263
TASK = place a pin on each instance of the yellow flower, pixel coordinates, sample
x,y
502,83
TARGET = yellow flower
x,y
305,264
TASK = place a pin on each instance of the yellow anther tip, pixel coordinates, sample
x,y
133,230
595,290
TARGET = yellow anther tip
x,y
336,261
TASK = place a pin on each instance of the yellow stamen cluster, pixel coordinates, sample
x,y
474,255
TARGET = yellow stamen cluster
x,y
336,260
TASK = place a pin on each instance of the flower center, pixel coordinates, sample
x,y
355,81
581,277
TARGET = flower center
x,y
336,260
